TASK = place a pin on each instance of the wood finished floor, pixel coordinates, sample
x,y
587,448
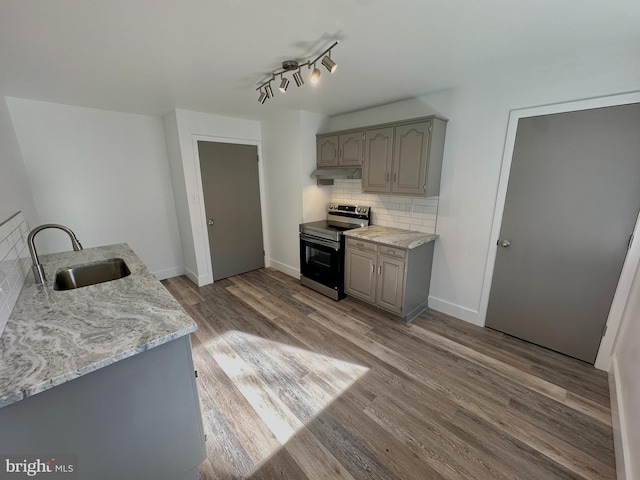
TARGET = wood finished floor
x,y
296,386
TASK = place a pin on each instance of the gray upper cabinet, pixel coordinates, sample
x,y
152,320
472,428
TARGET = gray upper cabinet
x,y
327,150
378,151
410,143
404,158
350,149
400,158
343,150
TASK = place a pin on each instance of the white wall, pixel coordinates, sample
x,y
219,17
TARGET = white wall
x,y
626,397
314,198
478,115
183,128
289,152
103,174
15,189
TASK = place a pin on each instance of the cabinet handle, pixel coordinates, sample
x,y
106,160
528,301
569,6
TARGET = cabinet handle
x,y
359,244
391,251
379,269
373,268
395,175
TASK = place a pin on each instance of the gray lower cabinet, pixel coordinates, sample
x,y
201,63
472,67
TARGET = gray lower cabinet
x,y
393,279
137,418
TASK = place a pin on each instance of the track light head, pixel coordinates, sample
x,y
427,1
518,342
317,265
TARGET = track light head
x,y
298,78
269,91
263,97
284,84
315,76
329,64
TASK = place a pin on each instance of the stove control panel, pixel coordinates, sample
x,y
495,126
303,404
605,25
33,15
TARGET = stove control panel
x,y
358,210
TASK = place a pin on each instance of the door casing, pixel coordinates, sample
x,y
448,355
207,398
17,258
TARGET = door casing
x,y
632,261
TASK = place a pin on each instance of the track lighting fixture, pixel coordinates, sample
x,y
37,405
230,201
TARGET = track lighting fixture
x,y
284,84
265,89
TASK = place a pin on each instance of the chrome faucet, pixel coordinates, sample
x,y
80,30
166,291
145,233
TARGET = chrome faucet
x,y
38,271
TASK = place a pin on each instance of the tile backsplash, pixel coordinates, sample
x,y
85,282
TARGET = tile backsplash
x,y
14,263
410,213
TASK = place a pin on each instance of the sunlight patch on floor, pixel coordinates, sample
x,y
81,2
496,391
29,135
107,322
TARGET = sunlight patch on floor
x,y
285,387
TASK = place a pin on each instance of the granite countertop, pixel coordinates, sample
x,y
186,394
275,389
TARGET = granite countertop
x,y
55,336
392,236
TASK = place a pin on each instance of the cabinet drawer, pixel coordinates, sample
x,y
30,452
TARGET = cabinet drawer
x,y
392,251
361,244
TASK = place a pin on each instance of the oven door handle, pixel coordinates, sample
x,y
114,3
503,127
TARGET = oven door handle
x,y
320,241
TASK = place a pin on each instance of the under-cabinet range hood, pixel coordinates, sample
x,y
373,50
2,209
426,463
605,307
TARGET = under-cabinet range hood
x,y
326,176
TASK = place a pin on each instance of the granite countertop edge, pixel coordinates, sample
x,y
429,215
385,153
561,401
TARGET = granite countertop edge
x,y
396,237
55,337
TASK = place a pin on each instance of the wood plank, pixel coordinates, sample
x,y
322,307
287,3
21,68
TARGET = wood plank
x,y
295,385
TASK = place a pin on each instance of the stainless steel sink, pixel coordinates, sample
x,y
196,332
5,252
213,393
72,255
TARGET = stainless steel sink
x,y
90,274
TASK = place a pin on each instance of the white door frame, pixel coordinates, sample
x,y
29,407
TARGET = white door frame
x,y
204,241
632,260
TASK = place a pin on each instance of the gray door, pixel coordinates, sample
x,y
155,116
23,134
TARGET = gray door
x,y
572,202
232,205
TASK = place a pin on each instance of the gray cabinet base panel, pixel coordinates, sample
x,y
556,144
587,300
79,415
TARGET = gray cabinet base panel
x,y
406,319
137,418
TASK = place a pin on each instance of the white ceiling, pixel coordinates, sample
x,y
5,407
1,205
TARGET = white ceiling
x,y
150,56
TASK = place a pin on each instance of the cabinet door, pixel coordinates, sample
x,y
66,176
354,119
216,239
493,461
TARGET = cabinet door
x,y
378,151
350,145
390,283
327,151
360,274
411,144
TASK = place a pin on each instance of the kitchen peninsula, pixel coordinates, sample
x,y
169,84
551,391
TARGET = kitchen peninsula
x,y
103,372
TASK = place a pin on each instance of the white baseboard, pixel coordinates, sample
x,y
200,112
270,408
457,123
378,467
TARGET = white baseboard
x,y
620,437
458,311
284,268
168,273
200,281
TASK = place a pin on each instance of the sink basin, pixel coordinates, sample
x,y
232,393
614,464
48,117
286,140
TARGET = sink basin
x,y
80,276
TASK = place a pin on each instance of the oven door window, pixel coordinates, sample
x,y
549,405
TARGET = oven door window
x,y
321,263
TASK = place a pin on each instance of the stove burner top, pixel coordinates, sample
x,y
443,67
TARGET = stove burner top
x,y
339,219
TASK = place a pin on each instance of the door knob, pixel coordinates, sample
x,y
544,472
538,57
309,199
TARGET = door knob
x,y
210,222
504,243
